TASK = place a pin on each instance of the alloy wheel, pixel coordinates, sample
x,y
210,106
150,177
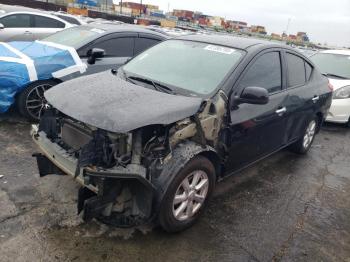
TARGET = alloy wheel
x,y
190,195
36,101
309,134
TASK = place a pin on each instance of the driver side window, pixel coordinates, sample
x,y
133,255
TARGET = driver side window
x,y
265,72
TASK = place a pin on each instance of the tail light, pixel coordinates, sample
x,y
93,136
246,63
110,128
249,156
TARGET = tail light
x,y
330,86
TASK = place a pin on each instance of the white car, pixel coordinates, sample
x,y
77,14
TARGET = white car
x,y
29,26
335,64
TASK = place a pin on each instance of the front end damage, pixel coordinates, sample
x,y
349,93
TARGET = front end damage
x,y
125,175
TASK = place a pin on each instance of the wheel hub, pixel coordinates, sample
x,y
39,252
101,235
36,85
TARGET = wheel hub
x,y
190,195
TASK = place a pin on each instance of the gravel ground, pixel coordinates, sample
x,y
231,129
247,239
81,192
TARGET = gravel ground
x,y
284,208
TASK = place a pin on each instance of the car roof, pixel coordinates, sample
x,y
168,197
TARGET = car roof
x,y
230,41
337,52
115,28
35,13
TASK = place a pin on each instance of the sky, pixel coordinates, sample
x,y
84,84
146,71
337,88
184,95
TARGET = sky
x,y
325,21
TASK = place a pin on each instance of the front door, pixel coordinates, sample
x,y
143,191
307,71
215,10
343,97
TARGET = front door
x,y
118,50
17,27
257,130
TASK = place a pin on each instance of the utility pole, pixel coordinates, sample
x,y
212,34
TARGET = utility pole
x,y
141,8
121,6
289,19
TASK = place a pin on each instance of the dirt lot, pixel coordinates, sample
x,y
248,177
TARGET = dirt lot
x,y
287,207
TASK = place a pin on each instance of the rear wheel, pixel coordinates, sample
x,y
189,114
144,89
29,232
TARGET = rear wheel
x,y
304,143
31,100
187,195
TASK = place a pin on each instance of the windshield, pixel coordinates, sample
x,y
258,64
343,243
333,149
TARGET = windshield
x,y
195,67
334,64
76,36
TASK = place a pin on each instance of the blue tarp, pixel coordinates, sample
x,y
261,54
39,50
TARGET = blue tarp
x,y
22,63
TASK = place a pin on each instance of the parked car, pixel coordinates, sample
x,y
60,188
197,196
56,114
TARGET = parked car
x,y
29,26
74,20
151,140
101,46
335,64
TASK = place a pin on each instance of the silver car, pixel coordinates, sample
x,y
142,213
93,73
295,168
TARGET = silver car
x,y
29,26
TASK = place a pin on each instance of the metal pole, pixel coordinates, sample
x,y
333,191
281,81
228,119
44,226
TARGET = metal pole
x,y
121,6
141,8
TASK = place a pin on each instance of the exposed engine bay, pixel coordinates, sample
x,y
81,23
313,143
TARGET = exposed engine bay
x,y
121,173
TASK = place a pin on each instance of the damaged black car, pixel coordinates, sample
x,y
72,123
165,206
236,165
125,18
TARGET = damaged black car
x,y
149,142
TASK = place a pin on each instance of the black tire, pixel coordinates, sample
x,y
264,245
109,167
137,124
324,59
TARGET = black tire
x,y
30,94
300,147
166,218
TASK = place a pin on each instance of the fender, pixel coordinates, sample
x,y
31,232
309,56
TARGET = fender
x,y
173,163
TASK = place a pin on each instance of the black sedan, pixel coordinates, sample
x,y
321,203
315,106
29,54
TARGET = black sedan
x,y
151,140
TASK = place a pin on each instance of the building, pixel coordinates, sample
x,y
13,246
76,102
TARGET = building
x,y
259,29
276,36
216,21
183,14
237,25
302,37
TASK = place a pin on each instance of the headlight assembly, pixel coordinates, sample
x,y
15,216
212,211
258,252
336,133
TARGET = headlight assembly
x,y
342,93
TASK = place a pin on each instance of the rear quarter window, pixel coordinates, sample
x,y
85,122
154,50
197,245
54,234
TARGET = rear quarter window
x,y
296,70
308,71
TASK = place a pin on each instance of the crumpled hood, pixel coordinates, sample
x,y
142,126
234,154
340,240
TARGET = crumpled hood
x,y
108,102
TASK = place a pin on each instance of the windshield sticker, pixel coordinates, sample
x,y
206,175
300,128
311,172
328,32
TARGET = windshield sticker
x,y
220,49
96,30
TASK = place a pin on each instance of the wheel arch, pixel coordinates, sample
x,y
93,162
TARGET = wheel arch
x,y
180,156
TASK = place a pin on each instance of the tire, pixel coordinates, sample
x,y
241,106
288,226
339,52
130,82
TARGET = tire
x,y
201,168
303,145
31,100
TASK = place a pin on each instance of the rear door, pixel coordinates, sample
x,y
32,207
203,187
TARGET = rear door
x,y
44,26
257,130
303,95
119,48
17,28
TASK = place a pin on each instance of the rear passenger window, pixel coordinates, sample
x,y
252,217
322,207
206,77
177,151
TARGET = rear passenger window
x,y
46,22
141,44
308,71
265,72
118,47
296,70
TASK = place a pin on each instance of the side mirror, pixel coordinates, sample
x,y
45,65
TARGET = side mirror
x,y
93,54
252,95
1,26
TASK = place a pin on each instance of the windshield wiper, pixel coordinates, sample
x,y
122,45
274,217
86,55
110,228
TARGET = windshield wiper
x,y
157,86
335,75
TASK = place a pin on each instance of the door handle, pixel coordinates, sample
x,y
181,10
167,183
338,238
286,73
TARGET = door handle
x,y
28,33
315,99
281,111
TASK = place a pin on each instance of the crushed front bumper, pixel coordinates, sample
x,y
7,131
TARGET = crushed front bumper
x,y
103,184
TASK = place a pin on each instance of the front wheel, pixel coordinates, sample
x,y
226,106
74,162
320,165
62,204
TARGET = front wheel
x,y
303,145
31,100
187,195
